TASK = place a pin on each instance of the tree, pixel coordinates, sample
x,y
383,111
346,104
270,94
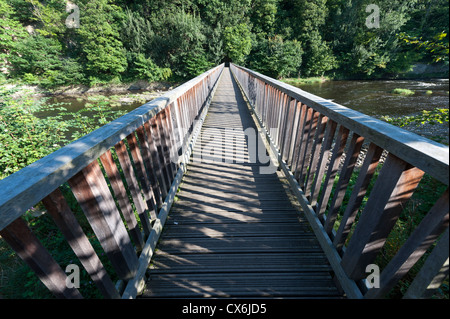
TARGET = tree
x,y
11,32
309,20
178,41
49,16
363,51
102,50
276,57
237,42
263,16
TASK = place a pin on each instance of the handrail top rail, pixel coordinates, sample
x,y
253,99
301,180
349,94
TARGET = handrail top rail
x,y
32,183
427,155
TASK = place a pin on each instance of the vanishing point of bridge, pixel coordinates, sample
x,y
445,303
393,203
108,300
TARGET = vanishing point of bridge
x,y
236,185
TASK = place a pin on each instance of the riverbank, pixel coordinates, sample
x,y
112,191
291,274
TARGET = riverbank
x,y
121,93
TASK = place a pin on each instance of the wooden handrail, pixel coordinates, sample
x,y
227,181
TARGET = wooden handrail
x,y
143,141
317,141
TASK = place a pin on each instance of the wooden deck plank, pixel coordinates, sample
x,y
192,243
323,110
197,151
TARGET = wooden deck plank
x,y
233,232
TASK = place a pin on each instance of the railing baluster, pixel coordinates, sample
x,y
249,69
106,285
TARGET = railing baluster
x,y
142,175
310,127
173,155
64,218
133,185
29,248
323,160
365,175
316,150
287,127
147,158
122,198
153,138
347,169
333,167
294,133
92,193
394,186
432,225
165,140
299,139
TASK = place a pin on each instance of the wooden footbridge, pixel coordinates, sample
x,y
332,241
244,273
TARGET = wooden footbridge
x,y
236,185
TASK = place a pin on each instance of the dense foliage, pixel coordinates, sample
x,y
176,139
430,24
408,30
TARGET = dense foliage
x,y
155,40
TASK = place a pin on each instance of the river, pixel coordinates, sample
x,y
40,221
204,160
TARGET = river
x,y
374,98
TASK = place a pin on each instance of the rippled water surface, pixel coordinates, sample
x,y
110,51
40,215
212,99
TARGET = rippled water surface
x,y
375,98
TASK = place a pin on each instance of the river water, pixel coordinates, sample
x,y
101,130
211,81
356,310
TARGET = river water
x,y
374,98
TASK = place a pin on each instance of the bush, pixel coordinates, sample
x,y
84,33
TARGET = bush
x,y
25,138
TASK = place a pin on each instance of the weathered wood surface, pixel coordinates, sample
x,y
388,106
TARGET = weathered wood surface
x,y
233,231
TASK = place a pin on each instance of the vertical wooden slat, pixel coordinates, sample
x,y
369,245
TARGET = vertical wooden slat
x,y
299,139
165,142
426,233
294,132
433,273
29,248
323,160
146,156
394,186
122,198
285,104
133,185
287,132
179,129
155,158
92,193
315,151
155,125
141,173
359,191
347,169
333,167
172,140
306,132
58,208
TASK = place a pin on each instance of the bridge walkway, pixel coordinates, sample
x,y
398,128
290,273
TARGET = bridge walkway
x,y
234,230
